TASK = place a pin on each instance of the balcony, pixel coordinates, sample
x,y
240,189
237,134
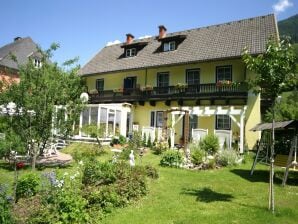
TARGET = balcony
x,y
209,91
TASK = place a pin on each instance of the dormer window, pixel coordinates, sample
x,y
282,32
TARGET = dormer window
x,y
169,46
131,52
37,63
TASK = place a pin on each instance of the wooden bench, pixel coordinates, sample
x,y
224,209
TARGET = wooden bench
x,y
281,161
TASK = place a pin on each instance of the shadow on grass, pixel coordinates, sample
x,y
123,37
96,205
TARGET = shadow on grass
x,y
207,195
263,176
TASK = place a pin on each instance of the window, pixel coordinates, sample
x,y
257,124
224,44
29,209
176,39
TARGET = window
x,y
163,82
193,77
169,46
223,122
156,119
99,85
131,52
37,63
224,73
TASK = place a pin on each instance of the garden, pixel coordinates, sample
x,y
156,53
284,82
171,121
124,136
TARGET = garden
x,y
157,188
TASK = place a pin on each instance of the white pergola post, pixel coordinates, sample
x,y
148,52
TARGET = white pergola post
x,y
242,132
123,122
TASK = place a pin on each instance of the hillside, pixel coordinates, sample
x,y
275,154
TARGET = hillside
x,y
289,27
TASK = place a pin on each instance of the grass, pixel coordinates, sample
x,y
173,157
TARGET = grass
x,y
228,195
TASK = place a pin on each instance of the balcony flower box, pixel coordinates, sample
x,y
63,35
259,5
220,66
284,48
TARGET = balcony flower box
x,y
118,90
93,91
146,88
227,83
180,87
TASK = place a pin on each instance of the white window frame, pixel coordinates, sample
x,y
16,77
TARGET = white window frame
x,y
131,52
191,79
169,46
226,122
156,119
37,63
226,75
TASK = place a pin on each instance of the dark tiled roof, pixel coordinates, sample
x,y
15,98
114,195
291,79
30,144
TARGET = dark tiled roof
x,y
21,49
203,44
277,125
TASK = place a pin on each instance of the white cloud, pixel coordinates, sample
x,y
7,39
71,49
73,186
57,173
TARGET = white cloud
x,y
146,36
282,5
113,42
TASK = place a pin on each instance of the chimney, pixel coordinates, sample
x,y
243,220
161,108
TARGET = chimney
x,y
129,38
17,38
162,31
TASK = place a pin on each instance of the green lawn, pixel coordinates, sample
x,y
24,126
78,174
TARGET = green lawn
x,y
228,195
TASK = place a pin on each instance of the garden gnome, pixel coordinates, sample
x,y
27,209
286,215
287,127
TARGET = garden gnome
x,y
131,158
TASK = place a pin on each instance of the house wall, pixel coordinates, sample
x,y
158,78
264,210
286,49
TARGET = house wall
x,y
177,75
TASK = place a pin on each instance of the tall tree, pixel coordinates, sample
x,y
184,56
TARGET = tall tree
x,y
41,88
275,72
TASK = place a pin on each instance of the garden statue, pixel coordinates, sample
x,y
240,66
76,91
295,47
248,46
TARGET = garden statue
x,y
131,158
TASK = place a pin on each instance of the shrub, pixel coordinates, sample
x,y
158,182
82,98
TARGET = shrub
x,y
160,147
118,140
136,141
81,151
27,185
151,172
5,206
97,173
171,158
211,163
210,144
149,142
129,183
227,158
197,154
124,155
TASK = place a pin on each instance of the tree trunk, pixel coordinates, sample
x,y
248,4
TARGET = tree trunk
x,y
271,180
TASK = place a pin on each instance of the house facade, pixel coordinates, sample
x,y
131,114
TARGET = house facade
x,y
14,54
199,71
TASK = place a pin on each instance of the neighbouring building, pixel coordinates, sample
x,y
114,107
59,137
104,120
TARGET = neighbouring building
x,y
198,70
14,54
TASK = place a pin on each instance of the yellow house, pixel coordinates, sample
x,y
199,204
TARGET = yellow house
x,y
198,70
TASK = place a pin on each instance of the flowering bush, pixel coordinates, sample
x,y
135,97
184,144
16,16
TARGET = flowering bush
x,y
160,147
20,165
228,158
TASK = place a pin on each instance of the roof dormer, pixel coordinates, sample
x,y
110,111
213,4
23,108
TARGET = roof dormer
x,y
168,43
132,48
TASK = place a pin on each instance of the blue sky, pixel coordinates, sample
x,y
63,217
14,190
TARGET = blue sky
x,y
83,27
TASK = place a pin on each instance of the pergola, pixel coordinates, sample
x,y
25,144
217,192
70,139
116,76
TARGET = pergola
x,y
202,111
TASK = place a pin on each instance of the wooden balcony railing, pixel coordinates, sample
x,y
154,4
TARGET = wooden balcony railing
x,y
201,91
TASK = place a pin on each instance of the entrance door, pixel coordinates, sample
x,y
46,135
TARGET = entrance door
x,y
130,84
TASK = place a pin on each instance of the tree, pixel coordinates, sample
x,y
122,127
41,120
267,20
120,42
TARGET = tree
x,y
275,71
40,89
286,110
